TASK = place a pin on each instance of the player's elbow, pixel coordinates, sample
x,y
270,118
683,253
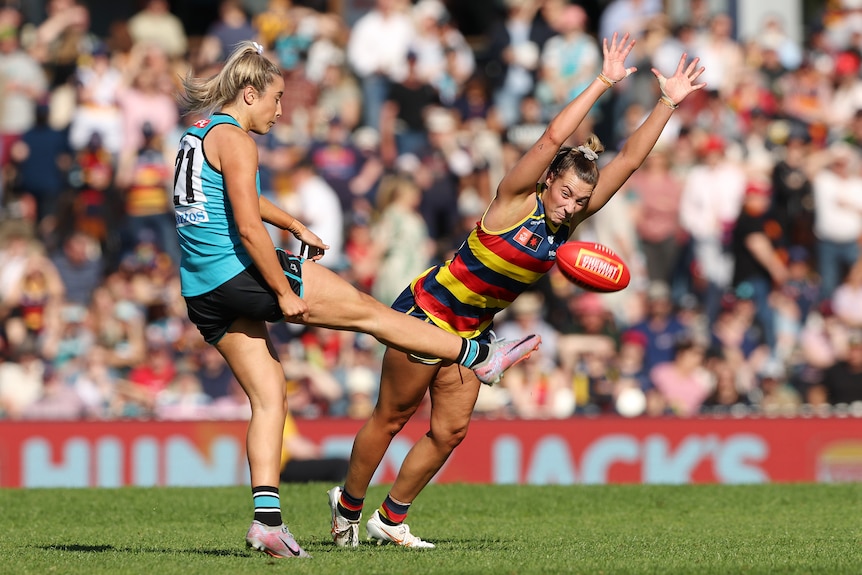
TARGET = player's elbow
x,y
554,136
627,162
249,231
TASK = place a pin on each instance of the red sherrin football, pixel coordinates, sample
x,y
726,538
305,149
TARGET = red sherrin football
x,y
593,266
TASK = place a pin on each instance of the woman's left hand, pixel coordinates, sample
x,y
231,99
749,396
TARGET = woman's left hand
x,y
316,247
681,84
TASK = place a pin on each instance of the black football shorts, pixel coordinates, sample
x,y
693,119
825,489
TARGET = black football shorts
x,y
245,295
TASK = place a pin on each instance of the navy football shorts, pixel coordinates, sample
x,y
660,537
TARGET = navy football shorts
x,y
406,303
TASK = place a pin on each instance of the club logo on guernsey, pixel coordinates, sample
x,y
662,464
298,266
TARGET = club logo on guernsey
x,y
528,239
191,216
600,265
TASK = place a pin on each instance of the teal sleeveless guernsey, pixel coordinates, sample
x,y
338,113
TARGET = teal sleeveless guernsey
x,y
212,252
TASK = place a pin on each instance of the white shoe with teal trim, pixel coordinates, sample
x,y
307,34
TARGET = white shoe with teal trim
x,y
504,355
345,533
396,534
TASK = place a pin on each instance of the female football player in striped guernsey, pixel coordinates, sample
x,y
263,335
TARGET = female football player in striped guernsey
x,y
538,204
234,280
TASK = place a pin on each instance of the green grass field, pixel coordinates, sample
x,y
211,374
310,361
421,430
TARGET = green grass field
x,y
697,529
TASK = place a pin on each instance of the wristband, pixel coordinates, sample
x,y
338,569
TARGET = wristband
x,y
606,81
668,102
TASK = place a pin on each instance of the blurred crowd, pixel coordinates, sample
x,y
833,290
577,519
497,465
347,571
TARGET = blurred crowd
x,y
741,229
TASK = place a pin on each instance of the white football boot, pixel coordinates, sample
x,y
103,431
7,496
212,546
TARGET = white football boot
x,y
345,533
397,534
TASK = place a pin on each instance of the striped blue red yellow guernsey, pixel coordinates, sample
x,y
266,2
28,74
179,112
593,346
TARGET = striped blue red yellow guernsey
x,y
487,273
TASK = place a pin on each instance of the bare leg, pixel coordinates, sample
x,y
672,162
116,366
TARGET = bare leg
x,y
453,397
336,304
402,386
250,354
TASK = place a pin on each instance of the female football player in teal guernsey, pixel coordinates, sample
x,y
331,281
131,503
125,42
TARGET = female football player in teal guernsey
x,y
234,280
538,204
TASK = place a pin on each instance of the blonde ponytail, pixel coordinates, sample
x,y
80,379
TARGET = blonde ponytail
x,y
246,66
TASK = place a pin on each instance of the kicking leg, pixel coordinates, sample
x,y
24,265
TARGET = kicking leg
x,y
336,304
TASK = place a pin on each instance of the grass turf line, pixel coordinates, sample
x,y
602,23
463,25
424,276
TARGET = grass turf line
x,y
495,529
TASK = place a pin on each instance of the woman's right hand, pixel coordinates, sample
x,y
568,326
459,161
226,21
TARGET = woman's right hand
x,y
614,65
293,308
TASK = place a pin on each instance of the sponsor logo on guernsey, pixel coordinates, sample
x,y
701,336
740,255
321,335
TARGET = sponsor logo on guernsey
x,y
191,216
528,239
599,264
202,123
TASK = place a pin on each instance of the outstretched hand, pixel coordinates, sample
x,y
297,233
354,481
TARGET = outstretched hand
x,y
614,65
681,84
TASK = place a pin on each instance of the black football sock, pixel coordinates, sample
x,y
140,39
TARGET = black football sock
x,y
267,505
473,352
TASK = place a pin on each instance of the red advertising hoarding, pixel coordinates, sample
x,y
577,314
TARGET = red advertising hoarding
x,y
571,451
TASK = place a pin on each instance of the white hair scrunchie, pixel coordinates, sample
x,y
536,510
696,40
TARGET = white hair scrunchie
x,y
258,47
588,153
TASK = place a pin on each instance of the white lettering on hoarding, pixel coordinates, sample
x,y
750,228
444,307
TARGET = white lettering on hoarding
x,y
552,463
177,460
145,462
506,460
109,454
216,467
185,464
733,459
73,470
736,461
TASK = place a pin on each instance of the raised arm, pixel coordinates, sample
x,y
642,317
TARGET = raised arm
x,y
638,146
524,175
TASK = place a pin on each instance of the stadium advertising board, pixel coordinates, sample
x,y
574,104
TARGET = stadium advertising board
x,y
573,451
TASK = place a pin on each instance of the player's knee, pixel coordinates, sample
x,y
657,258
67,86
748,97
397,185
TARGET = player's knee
x,y
448,439
368,312
393,421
